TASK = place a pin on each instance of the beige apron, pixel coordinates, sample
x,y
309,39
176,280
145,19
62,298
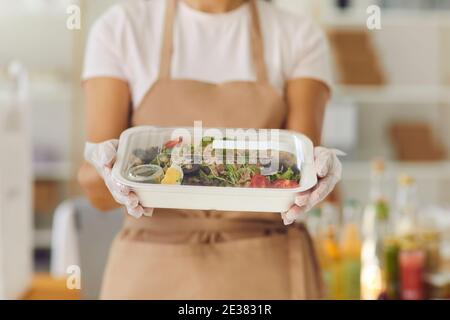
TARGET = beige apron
x,y
186,254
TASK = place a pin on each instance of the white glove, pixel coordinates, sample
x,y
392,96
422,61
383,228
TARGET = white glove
x,y
102,156
329,172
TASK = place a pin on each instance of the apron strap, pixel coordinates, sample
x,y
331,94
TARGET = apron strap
x,y
167,45
256,42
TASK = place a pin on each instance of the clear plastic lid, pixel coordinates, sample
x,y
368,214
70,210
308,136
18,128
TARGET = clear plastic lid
x,y
240,158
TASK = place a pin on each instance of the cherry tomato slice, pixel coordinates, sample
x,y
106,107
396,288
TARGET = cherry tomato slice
x,y
172,143
259,181
284,184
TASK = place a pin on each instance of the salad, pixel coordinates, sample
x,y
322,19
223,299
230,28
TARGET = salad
x,y
158,165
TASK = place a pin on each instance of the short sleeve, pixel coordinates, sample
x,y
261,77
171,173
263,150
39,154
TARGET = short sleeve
x,y
310,54
103,56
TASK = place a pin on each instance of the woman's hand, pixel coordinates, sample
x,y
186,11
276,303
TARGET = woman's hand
x,y
329,171
102,156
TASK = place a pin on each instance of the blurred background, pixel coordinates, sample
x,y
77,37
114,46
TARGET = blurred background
x,y
391,101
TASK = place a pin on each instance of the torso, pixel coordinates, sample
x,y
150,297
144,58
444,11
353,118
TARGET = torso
x,y
212,48
239,104
173,101
252,257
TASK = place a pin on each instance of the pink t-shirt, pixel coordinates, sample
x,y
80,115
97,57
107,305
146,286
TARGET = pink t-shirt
x,y
125,43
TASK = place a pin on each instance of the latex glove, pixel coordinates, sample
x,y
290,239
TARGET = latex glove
x,y
329,172
102,156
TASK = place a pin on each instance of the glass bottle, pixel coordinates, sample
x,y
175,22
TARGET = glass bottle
x,y
375,227
405,213
351,251
431,238
412,260
329,252
391,267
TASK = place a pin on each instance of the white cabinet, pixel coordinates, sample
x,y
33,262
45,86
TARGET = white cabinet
x,y
15,198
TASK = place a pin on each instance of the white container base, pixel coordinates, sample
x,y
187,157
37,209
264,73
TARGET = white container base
x,y
220,198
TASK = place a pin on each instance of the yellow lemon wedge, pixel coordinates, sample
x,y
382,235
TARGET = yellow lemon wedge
x,y
174,175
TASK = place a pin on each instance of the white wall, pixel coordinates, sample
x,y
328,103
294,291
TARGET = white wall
x,y
41,42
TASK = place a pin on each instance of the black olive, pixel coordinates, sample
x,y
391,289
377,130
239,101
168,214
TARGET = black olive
x,y
190,169
146,155
206,170
151,154
295,169
139,153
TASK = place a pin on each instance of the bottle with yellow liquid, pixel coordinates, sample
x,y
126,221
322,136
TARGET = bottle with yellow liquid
x,y
351,251
329,252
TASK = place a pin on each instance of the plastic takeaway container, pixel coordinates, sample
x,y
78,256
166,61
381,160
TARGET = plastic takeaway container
x,y
215,169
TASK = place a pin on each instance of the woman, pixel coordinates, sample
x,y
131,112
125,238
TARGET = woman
x,y
228,63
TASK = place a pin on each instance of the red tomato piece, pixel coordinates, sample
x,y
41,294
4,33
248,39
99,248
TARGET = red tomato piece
x,y
172,143
259,181
284,184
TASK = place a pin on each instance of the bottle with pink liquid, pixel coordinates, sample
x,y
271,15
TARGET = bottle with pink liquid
x,y
412,260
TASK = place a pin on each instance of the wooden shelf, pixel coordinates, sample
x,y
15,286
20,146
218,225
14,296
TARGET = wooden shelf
x,y
45,287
